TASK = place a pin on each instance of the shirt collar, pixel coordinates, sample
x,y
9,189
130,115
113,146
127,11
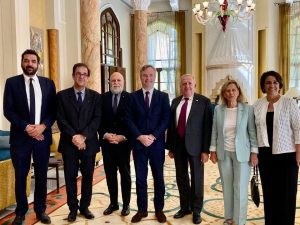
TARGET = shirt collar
x,y
190,98
150,91
34,77
82,91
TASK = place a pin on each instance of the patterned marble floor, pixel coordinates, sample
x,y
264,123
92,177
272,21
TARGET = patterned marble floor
x,y
212,211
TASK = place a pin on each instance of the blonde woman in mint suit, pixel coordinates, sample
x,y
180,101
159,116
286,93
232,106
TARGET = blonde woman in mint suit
x,y
234,147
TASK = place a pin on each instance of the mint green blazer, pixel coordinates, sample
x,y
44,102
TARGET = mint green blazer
x,y
245,139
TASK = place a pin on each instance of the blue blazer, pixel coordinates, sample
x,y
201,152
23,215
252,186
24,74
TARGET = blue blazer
x,y
153,121
16,109
245,132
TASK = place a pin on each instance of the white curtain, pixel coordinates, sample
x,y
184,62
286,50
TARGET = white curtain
x,y
295,45
163,49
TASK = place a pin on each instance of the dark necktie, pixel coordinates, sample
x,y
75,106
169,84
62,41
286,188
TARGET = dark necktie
x,y
182,119
115,103
147,100
32,102
79,99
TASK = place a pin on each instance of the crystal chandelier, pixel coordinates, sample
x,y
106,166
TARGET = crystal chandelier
x,y
241,9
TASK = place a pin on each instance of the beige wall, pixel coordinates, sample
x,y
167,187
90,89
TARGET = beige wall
x,y
37,18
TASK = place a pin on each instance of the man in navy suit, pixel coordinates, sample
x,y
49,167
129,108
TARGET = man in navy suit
x,y
148,117
78,118
188,140
29,106
113,134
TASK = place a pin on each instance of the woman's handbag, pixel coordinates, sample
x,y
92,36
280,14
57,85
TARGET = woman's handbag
x,y
254,187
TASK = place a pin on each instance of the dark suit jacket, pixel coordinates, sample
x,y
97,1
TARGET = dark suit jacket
x,y
16,109
110,122
71,120
198,126
153,121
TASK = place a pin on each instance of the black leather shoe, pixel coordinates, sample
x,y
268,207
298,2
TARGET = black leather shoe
x,y
181,213
72,216
138,216
43,218
197,218
87,214
18,220
110,209
125,211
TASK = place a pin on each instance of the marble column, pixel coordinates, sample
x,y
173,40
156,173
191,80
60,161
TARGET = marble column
x,y
140,35
54,57
90,40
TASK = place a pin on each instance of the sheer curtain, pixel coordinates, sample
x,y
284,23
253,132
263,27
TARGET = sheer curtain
x,y
294,39
163,50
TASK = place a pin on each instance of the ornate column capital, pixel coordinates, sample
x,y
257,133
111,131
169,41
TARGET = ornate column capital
x,y
140,4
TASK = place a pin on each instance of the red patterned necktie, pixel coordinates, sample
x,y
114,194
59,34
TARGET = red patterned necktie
x,y
182,119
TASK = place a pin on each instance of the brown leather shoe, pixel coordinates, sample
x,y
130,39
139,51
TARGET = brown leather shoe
x,y
160,216
138,216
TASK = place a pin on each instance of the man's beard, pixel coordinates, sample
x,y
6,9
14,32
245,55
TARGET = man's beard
x,y
28,72
116,90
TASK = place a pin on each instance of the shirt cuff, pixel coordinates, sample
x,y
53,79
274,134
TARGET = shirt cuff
x,y
212,149
254,150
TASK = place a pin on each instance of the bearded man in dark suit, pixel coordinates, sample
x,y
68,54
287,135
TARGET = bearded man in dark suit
x,y
29,106
113,134
78,118
188,140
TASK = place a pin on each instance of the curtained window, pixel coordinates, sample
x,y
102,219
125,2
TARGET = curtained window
x,y
163,50
110,39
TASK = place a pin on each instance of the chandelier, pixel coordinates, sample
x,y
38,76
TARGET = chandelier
x,y
241,9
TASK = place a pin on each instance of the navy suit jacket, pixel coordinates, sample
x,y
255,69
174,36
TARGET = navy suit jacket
x,y
16,109
153,121
73,120
113,123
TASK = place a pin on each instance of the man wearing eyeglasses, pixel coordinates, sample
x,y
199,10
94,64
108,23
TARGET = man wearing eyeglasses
x,y
78,118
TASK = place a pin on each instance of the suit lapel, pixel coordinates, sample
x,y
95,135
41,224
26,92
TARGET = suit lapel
x,y
22,88
72,98
44,93
222,117
141,99
87,99
239,115
153,99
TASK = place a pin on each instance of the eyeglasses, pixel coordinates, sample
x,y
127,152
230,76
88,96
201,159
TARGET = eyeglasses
x,y
81,74
270,82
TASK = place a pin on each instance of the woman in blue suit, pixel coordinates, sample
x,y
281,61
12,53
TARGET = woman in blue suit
x,y
234,147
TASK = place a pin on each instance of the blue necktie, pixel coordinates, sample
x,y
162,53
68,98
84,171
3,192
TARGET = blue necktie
x,y
79,99
115,103
32,103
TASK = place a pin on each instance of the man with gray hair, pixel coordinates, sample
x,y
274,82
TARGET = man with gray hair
x,y
188,142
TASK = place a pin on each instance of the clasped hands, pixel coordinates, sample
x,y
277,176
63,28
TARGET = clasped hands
x,y
79,141
114,138
36,131
146,140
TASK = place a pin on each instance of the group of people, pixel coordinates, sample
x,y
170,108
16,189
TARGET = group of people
x,y
236,136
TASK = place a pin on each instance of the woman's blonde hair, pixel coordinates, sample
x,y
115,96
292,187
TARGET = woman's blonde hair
x,y
240,98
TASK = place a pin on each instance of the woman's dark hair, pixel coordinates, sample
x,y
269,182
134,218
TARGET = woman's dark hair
x,y
267,74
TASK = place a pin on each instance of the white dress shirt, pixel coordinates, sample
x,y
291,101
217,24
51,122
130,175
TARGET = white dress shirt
x,y
37,95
